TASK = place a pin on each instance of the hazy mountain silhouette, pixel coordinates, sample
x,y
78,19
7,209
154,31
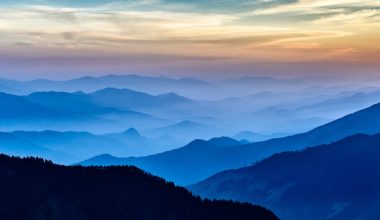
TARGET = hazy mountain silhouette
x,y
301,114
180,165
185,130
37,189
256,137
78,101
68,147
14,145
126,99
146,145
85,103
149,84
264,83
99,102
18,113
338,106
71,147
12,106
115,98
338,181
225,142
209,159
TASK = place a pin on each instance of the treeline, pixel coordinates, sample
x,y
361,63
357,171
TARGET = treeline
x,y
33,188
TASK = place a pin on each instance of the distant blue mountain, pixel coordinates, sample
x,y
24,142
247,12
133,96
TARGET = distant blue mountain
x,y
185,130
338,106
155,85
153,102
84,103
129,99
14,145
61,147
301,114
104,101
225,142
104,111
64,111
264,83
206,159
338,181
17,107
71,147
145,145
179,165
12,106
79,102
256,137
19,113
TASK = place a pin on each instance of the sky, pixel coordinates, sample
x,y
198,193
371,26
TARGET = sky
x,y
64,38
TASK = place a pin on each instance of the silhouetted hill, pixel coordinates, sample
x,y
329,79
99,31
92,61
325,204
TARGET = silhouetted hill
x,y
256,137
61,147
145,145
338,181
209,159
16,107
18,113
36,189
129,99
132,133
150,84
155,85
170,164
225,142
82,103
336,106
78,101
185,130
71,147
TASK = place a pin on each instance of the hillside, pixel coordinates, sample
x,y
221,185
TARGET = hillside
x,y
103,193
174,165
338,181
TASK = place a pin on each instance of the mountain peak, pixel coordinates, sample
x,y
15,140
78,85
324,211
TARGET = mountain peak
x,y
224,142
132,132
197,142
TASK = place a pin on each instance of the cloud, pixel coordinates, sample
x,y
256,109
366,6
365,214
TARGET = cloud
x,y
158,32
317,7
363,18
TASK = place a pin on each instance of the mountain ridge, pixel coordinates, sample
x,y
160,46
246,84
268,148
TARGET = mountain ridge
x,y
104,193
215,159
336,181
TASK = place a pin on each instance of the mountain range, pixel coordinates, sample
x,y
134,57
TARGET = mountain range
x,y
70,147
338,181
187,86
256,137
121,107
18,113
155,85
202,159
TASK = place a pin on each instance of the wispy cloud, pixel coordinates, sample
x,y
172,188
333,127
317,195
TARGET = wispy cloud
x,y
251,31
317,7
